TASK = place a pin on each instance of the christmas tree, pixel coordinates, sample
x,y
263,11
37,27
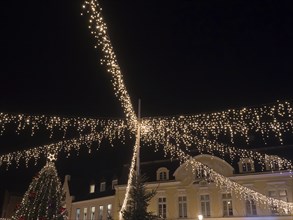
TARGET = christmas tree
x,y
138,201
44,198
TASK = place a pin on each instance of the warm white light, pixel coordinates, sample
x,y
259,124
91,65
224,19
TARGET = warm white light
x,y
200,131
200,217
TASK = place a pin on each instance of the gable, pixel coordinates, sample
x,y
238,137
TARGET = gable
x,y
217,164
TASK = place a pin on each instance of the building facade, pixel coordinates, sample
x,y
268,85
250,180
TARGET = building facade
x,y
183,194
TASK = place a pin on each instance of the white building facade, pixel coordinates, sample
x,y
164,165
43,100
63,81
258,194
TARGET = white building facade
x,y
181,194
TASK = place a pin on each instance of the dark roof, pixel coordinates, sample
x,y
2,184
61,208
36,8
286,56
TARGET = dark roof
x,y
150,162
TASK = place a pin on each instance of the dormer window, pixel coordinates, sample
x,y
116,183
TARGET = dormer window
x,y
114,183
162,174
92,188
102,186
272,163
246,165
201,174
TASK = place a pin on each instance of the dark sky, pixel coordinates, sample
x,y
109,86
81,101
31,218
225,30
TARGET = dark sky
x,y
178,56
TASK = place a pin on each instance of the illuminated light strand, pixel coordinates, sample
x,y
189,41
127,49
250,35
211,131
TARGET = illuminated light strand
x,y
99,30
100,33
204,145
224,182
168,132
109,133
130,176
270,120
51,123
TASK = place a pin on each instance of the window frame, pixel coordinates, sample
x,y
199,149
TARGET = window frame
x,y
182,206
162,207
227,204
103,186
207,205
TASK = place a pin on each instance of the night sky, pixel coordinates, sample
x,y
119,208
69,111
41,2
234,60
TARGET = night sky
x,y
178,56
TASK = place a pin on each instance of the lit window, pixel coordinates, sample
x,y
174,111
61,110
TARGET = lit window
x,y
109,211
93,209
92,188
102,186
84,213
162,207
114,183
77,214
101,209
182,202
205,205
227,204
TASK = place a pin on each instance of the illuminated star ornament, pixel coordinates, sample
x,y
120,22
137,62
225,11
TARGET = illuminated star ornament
x,y
51,157
177,135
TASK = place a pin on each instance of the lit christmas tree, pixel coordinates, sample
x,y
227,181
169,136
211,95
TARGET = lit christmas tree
x,y
44,198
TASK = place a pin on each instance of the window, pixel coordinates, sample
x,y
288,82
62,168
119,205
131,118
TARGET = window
x,y
162,174
275,166
103,186
101,208
278,194
93,209
205,205
84,213
114,183
246,165
162,207
272,163
92,188
77,217
227,204
182,202
250,207
109,211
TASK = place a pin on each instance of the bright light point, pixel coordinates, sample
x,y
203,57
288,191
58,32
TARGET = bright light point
x,y
200,217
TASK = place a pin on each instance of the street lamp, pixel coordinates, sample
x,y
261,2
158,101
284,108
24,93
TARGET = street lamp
x,y
200,217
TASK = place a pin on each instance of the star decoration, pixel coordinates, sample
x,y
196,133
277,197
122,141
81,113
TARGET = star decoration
x,y
51,157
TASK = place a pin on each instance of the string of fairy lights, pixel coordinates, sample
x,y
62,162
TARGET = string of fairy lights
x,y
226,184
201,131
269,120
109,133
23,122
130,176
204,145
197,131
98,29
225,118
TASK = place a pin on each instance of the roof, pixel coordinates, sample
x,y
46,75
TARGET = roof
x,y
150,162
